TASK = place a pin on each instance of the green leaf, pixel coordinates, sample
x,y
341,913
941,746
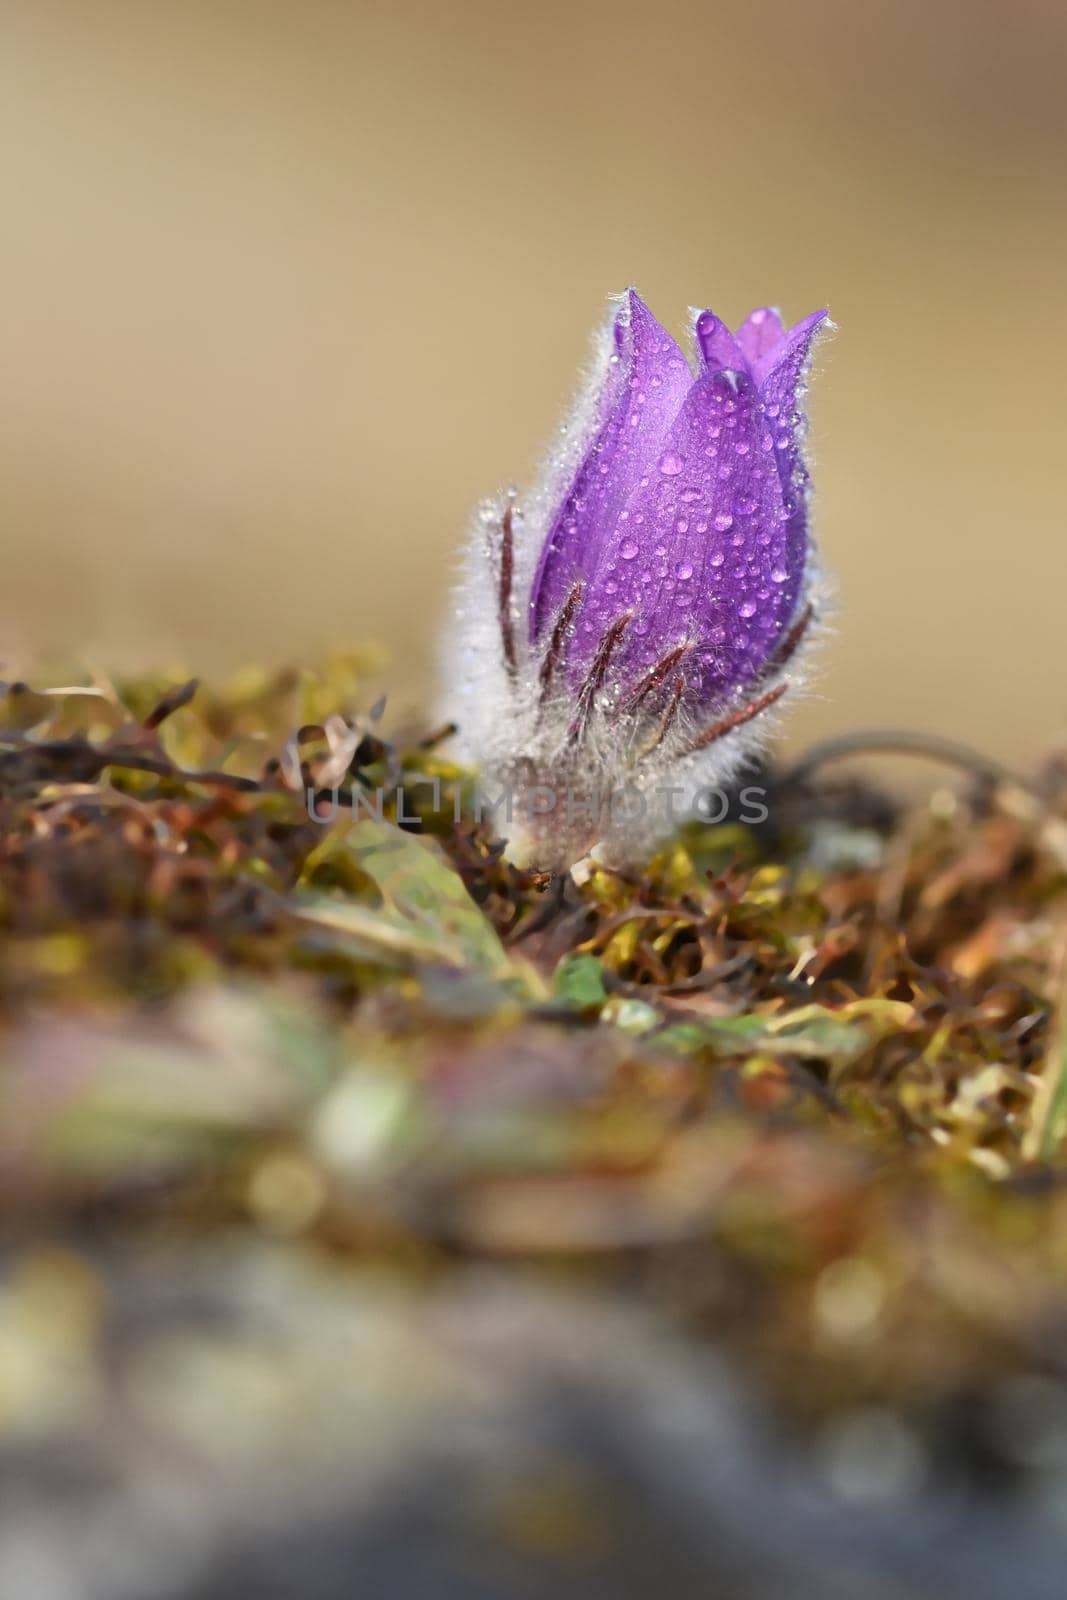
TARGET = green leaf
x,y
1048,1115
579,982
426,913
813,1032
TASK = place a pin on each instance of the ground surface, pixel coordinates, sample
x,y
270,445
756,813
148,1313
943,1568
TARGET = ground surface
x,y
377,1212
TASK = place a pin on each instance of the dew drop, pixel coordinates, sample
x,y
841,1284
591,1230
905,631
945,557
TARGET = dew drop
x,y
717,558
629,549
778,574
670,464
684,570
745,506
724,521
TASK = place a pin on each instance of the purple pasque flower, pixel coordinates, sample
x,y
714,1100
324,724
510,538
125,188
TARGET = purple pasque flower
x,y
650,595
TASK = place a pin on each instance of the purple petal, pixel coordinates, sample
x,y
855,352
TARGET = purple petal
x,y
782,379
759,334
643,392
787,357
717,347
699,552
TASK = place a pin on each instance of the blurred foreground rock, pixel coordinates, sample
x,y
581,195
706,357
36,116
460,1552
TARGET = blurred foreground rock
x,y
258,1420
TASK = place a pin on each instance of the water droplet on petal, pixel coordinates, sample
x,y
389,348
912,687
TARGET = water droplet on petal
x,y
724,521
670,464
629,549
684,570
778,574
747,608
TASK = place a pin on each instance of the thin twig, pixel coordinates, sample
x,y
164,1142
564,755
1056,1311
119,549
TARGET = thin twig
x,y
893,741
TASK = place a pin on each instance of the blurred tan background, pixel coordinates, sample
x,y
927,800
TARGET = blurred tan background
x,y
288,286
